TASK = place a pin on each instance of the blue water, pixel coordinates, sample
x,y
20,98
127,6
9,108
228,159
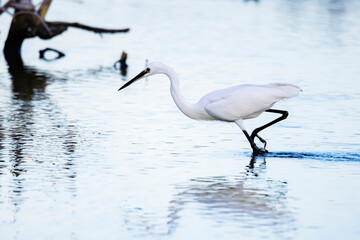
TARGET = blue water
x,y
79,160
322,156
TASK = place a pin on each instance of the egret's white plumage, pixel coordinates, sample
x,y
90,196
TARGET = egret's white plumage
x,y
233,104
245,101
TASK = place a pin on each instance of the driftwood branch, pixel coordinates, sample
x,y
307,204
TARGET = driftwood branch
x,y
28,23
18,5
85,27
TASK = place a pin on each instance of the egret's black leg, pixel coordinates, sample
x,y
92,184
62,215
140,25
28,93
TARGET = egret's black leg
x,y
261,140
256,150
284,115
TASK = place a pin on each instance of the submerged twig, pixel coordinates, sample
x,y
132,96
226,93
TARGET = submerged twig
x,y
42,54
121,64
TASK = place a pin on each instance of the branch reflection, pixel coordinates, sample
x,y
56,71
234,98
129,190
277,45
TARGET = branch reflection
x,y
36,140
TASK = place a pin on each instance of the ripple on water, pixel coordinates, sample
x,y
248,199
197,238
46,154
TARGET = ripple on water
x,y
80,160
323,156
245,199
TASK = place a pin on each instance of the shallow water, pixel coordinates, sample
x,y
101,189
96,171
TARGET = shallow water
x,y
79,160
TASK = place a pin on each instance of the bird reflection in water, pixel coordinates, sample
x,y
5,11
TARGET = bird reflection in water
x,y
34,135
250,198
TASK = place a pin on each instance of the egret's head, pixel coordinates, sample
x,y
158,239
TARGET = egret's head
x,y
152,69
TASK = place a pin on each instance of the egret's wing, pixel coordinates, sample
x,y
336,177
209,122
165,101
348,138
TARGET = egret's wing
x,y
221,110
245,101
237,107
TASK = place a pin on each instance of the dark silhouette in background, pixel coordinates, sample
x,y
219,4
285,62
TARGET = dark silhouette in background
x,y
28,22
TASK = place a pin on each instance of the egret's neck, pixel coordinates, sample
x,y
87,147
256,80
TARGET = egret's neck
x,y
187,108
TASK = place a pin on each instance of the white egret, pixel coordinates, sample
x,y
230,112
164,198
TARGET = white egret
x,y
233,104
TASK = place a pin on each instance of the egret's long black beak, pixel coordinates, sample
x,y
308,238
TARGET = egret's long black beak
x,y
140,75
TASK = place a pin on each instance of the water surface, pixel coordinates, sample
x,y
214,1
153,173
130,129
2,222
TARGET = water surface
x,y
79,160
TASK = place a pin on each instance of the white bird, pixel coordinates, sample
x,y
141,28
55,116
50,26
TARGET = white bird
x,y
233,104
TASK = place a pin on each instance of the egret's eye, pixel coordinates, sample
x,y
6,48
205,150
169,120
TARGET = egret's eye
x,y
147,70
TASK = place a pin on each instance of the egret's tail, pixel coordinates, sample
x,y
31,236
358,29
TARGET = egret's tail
x,y
286,90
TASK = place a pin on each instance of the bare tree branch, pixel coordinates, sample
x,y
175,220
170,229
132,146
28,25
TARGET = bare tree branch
x,y
44,8
3,9
88,28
